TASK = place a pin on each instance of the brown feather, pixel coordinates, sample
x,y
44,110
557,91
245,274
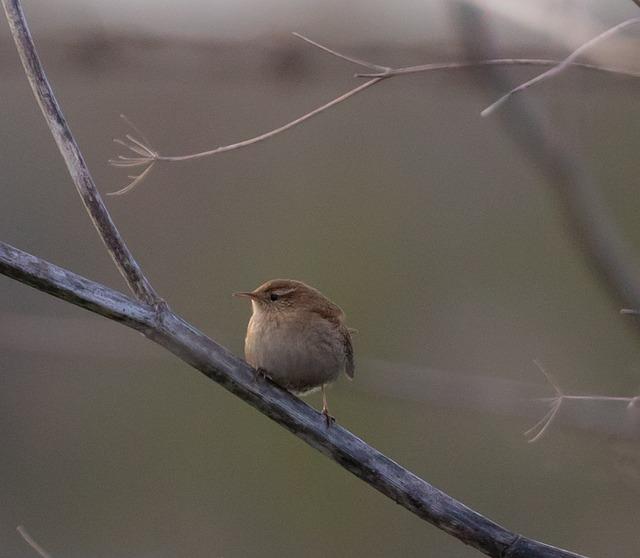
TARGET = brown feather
x,y
350,366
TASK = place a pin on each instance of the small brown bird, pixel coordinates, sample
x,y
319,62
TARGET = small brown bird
x,y
297,337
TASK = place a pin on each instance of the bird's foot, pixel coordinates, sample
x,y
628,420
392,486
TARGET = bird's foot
x,y
330,419
260,374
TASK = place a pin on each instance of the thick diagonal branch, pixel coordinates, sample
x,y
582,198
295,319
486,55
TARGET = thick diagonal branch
x,y
217,363
72,156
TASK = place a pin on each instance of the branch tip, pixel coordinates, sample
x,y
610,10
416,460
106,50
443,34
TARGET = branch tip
x,y
22,531
561,66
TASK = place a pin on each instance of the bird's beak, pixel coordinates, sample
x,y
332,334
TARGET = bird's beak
x,y
246,295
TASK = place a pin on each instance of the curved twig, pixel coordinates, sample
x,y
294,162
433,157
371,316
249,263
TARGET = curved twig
x,y
72,156
589,220
145,155
539,428
235,375
560,67
148,157
32,542
494,62
346,57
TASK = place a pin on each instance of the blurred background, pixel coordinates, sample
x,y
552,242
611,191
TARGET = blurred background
x,y
433,229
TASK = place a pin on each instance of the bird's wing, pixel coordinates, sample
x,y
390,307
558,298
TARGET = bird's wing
x,y
350,367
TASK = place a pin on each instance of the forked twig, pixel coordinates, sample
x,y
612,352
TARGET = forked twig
x,y
560,67
537,430
150,156
540,428
145,155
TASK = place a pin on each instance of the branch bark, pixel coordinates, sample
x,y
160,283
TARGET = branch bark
x,y
165,328
73,158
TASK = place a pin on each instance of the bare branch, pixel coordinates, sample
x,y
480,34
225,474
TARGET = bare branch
x,y
217,363
72,156
75,289
538,430
562,66
337,54
589,220
495,62
32,542
154,156
147,155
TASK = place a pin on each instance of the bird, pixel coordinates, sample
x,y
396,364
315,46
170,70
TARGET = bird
x,y
297,337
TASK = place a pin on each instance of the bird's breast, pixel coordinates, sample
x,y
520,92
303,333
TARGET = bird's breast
x,y
298,354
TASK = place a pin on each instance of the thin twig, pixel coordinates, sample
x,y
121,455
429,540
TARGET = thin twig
x,y
32,542
337,54
594,227
538,430
147,155
235,375
153,156
588,217
495,62
560,67
72,156
549,378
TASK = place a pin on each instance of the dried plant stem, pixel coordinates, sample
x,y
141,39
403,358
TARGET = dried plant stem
x,y
560,67
73,158
627,400
540,428
32,542
494,62
275,131
146,156
346,57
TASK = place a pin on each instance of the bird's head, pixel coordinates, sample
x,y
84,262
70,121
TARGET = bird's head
x,y
288,295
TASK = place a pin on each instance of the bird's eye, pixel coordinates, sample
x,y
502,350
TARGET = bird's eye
x,y
274,296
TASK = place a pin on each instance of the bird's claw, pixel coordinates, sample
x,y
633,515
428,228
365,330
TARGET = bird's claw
x,y
329,418
260,374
